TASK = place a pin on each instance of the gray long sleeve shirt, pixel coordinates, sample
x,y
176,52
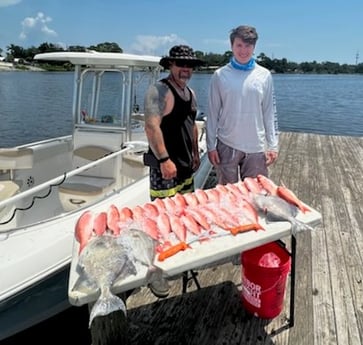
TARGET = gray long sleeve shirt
x,y
242,111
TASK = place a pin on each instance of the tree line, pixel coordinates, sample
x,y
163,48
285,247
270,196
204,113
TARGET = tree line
x,y
212,60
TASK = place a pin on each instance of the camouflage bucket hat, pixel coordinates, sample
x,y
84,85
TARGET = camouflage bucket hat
x,y
181,53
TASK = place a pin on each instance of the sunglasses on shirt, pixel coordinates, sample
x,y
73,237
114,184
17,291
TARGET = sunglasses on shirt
x,y
184,63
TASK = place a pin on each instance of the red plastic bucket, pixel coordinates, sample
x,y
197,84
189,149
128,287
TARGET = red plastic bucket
x,y
263,288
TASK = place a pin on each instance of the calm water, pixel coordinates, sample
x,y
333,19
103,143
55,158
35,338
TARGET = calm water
x,y
321,104
37,105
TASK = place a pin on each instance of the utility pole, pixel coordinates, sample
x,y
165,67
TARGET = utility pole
x,y
357,58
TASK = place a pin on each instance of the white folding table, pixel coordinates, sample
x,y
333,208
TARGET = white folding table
x,y
199,255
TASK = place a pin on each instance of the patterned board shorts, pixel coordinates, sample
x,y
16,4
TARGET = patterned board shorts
x,y
161,188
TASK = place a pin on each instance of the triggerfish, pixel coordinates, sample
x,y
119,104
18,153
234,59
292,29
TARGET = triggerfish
x,y
106,259
277,209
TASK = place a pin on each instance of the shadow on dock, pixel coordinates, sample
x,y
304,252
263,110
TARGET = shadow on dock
x,y
191,318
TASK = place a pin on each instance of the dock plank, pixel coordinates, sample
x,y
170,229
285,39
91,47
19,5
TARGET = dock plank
x,y
343,246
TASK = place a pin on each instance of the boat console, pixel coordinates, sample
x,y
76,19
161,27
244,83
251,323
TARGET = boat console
x,y
104,120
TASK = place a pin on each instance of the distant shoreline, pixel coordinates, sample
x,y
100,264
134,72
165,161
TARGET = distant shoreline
x,y
9,67
6,66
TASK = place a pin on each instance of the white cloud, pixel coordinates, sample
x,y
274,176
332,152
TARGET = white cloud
x,y
35,25
155,45
6,3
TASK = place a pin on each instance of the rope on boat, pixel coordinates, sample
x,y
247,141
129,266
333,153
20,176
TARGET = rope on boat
x,y
33,200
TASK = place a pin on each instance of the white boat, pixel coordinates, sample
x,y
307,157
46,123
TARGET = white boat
x,y
45,186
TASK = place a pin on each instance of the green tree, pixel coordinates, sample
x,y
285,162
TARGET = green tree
x,y
106,47
77,48
49,47
359,68
265,61
15,52
306,67
212,60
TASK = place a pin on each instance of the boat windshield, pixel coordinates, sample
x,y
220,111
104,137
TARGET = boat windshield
x,y
111,97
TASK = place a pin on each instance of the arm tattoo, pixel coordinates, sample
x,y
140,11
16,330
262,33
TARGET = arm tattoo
x,y
155,100
154,111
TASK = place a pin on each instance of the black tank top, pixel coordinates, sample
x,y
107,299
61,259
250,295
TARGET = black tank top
x,y
177,128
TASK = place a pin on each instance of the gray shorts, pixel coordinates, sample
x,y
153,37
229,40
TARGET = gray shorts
x,y
236,164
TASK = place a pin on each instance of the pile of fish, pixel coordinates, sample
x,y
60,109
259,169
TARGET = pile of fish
x,y
180,219
112,242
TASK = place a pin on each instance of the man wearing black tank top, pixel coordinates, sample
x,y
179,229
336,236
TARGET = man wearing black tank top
x,y
170,111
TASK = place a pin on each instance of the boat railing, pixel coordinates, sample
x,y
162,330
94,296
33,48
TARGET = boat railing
x,y
16,158
21,157
98,128
64,138
131,146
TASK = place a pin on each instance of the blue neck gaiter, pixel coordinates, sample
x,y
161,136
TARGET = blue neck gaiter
x,y
243,67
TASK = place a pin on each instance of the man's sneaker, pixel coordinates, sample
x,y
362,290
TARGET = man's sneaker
x,y
160,288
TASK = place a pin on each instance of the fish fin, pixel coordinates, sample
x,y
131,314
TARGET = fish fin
x,y
106,304
131,268
271,217
84,285
298,226
128,269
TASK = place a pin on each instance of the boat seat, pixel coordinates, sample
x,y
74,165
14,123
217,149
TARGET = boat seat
x,y
7,189
91,152
133,166
87,187
81,190
16,158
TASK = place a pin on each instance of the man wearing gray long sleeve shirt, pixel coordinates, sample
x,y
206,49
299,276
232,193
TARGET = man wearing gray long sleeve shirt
x,y
242,138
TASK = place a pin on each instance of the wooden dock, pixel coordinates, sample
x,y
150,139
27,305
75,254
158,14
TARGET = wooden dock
x,y
326,172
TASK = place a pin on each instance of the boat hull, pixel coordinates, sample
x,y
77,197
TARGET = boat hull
x,y
35,304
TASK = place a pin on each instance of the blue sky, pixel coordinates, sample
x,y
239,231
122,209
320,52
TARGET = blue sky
x,y
299,31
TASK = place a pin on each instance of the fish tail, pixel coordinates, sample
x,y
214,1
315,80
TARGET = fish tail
x,y
298,226
106,304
